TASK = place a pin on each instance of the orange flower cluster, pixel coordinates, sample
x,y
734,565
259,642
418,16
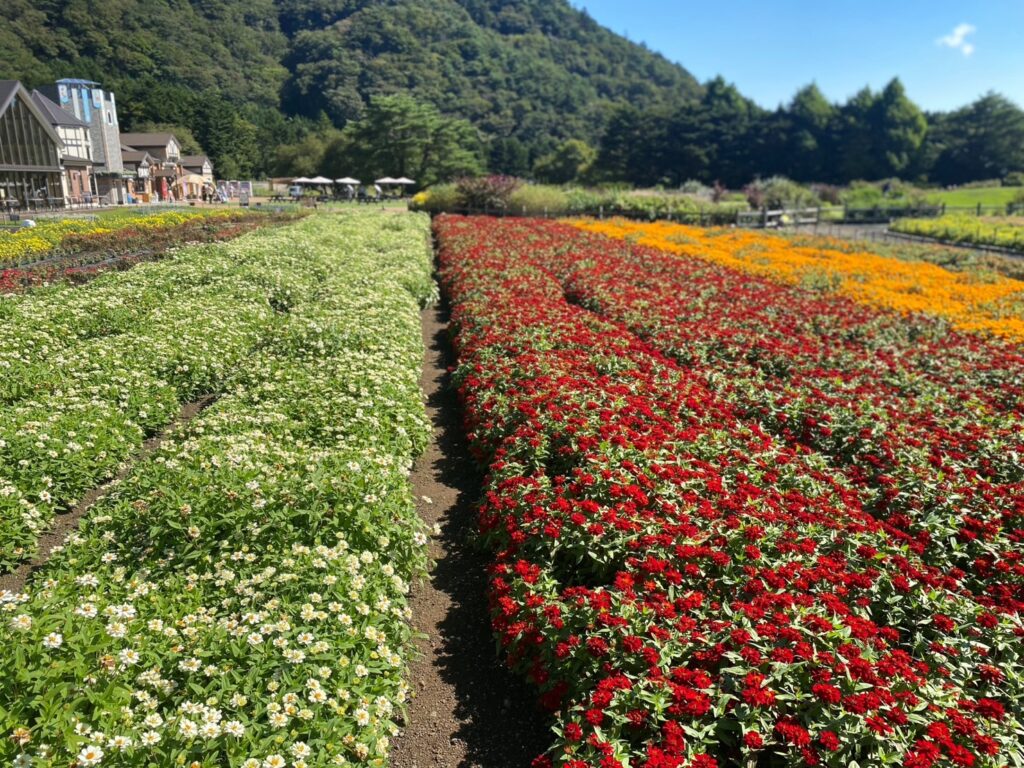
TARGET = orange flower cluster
x,y
969,301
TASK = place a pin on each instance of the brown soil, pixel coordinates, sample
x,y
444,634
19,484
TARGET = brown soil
x,y
66,523
467,709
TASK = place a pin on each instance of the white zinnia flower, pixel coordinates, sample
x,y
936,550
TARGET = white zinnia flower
x,y
188,728
149,738
91,755
120,742
234,728
53,640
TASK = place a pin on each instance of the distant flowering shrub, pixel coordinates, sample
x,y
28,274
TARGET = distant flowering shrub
x,y
486,192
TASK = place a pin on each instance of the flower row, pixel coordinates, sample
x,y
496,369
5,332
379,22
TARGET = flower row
x,y
683,587
970,230
987,303
89,372
935,453
239,598
82,256
73,235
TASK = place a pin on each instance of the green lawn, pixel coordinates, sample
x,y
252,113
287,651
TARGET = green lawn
x,y
969,197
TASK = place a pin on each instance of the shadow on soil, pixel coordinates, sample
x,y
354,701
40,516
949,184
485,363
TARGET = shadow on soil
x,y
496,719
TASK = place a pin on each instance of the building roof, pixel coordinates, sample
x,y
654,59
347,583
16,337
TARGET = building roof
x,y
135,156
77,162
55,114
9,90
76,81
194,161
144,140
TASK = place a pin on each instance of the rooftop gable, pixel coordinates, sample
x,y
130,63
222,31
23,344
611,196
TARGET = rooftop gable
x,y
148,140
13,89
55,114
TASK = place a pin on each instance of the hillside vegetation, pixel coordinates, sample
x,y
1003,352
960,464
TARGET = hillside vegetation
x,y
526,73
528,88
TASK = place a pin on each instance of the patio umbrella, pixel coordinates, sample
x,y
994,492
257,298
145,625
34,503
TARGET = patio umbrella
x,y
403,180
346,180
385,180
320,180
301,180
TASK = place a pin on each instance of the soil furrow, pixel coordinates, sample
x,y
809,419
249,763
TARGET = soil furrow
x,y
467,709
67,522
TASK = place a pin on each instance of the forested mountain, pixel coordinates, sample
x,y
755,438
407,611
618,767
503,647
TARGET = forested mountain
x,y
526,73
440,88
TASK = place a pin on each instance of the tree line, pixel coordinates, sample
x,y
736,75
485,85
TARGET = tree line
x,y
722,137
725,137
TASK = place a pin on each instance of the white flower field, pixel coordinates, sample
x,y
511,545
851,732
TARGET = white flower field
x,y
239,597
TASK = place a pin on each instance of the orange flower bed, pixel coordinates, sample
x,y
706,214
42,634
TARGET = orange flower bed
x,y
969,301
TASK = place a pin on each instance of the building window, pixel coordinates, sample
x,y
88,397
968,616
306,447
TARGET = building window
x,y
110,118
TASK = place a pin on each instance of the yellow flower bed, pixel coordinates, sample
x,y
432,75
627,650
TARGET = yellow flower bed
x,y
969,301
26,244
971,230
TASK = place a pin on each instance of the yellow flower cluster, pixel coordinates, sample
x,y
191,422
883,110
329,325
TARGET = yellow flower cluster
x,y
969,301
30,243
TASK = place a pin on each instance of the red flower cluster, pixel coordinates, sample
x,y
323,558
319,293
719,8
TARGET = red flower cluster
x,y
684,584
925,425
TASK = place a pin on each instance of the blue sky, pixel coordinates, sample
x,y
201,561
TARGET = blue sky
x,y
771,48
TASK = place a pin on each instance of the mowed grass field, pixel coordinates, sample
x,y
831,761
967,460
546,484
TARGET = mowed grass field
x,y
974,196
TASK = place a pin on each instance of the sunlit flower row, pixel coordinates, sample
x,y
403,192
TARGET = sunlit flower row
x,y
88,372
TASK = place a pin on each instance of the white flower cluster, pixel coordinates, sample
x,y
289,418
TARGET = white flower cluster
x,y
240,597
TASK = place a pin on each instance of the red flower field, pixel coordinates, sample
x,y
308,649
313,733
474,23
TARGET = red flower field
x,y
734,522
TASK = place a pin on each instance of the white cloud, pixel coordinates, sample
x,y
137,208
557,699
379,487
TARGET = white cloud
x,y
957,39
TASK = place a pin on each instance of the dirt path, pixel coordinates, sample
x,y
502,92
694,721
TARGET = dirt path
x,y
467,710
66,523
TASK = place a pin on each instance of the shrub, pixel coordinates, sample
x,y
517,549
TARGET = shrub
x,y
697,189
888,193
487,192
437,199
827,193
778,192
538,199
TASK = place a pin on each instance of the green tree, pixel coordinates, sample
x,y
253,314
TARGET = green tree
x,y
900,128
807,143
307,156
569,162
509,156
856,139
984,140
399,136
